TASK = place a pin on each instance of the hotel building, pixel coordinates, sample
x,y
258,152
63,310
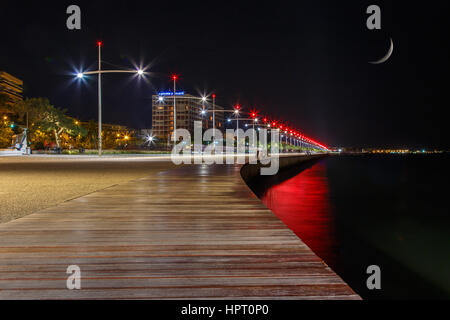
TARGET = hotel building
x,y
11,86
189,109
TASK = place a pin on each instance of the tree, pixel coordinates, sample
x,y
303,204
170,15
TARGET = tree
x,y
45,117
4,103
6,134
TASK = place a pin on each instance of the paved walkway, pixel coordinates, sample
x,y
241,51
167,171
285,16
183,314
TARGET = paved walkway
x,y
189,232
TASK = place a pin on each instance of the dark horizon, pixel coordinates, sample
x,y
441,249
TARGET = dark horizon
x,y
304,63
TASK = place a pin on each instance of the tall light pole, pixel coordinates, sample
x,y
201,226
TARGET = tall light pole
x,y
174,78
99,72
236,112
214,116
99,98
301,142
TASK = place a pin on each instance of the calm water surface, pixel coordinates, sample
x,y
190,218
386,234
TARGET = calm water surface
x,y
390,210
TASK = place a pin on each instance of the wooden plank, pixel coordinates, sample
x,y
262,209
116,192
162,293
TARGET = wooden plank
x,y
194,232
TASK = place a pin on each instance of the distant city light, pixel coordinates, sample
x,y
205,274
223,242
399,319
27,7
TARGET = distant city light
x,y
140,72
80,75
160,99
229,120
203,99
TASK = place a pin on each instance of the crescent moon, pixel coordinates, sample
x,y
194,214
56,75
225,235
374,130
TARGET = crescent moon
x,y
387,56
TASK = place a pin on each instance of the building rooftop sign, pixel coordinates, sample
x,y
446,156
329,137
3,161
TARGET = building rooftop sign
x,y
169,93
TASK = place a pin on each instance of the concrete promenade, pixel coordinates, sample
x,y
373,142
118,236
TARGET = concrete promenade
x,y
190,232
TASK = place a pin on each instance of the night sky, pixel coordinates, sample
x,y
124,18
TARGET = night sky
x,y
305,62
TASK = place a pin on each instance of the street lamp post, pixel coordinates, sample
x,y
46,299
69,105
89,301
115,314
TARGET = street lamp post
x,y
99,98
174,78
214,114
99,72
214,120
236,112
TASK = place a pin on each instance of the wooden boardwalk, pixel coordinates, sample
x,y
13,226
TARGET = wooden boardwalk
x,y
194,232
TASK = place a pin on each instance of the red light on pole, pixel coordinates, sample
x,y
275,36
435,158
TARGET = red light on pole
x,y
265,120
214,95
99,43
174,77
237,107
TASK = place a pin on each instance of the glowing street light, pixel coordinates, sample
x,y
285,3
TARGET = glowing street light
x,y
237,109
174,78
150,138
203,106
214,116
99,72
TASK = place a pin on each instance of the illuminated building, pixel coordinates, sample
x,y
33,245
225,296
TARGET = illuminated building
x,y
189,110
11,86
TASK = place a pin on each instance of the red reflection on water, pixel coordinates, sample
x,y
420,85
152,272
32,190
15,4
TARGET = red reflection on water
x,y
302,203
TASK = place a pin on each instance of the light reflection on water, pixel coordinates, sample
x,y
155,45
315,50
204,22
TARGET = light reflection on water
x,y
356,211
302,203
